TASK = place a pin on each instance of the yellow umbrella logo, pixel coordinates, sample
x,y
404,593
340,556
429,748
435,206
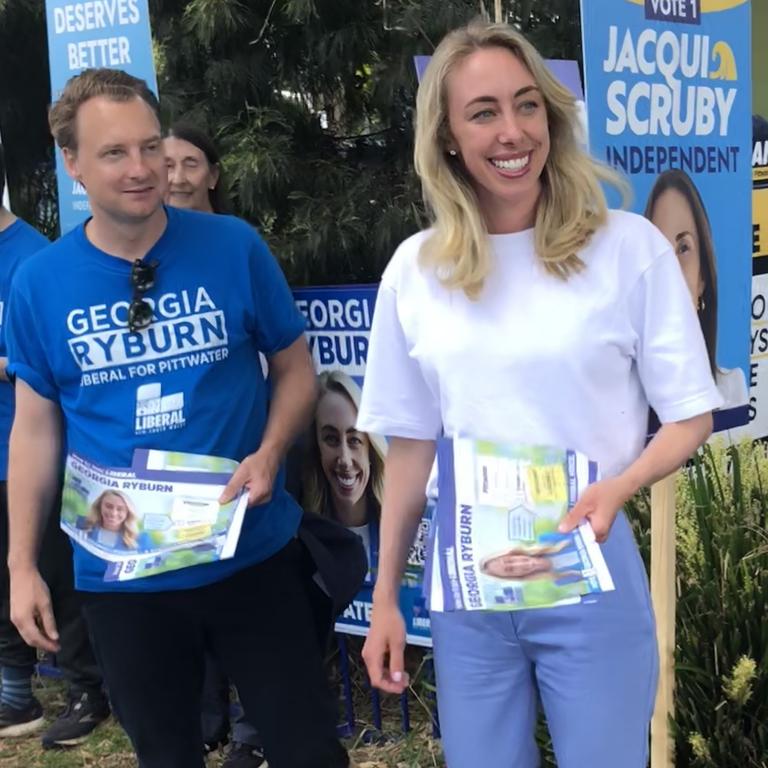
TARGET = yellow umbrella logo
x,y
726,62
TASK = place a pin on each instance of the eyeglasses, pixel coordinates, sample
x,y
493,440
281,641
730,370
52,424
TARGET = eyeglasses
x,y
142,279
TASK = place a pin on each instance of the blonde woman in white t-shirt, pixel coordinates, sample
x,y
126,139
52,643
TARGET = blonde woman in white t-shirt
x,y
529,313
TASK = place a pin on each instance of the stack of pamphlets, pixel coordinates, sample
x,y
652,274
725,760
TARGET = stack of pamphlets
x,y
158,515
496,544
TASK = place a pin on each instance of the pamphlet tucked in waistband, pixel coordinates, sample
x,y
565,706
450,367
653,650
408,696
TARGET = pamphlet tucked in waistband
x,y
158,515
496,546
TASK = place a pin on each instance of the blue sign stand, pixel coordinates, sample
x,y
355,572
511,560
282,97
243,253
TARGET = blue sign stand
x,y
84,35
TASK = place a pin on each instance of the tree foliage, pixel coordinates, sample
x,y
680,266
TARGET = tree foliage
x,y
24,96
311,102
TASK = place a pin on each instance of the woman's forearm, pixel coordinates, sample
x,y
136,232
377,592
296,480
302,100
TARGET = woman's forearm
x,y
406,472
669,449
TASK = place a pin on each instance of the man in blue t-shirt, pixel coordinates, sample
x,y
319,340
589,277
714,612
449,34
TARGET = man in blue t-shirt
x,y
20,712
143,303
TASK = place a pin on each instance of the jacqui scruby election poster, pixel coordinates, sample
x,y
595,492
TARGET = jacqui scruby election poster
x,y
339,471
88,34
758,373
668,92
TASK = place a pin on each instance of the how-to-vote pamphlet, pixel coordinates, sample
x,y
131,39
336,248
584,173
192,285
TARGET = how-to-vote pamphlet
x,y
158,515
496,543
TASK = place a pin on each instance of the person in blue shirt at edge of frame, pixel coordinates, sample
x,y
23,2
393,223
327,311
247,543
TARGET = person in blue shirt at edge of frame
x,y
86,706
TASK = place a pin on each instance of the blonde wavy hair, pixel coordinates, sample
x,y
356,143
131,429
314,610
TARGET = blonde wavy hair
x,y
316,494
572,203
128,530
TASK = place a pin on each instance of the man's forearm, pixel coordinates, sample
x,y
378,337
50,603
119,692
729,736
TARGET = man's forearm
x,y
294,394
33,478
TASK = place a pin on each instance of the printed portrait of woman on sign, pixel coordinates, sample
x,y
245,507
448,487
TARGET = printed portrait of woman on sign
x,y
111,521
675,206
344,468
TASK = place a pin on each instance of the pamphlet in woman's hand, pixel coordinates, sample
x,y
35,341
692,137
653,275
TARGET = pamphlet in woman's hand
x,y
158,515
497,546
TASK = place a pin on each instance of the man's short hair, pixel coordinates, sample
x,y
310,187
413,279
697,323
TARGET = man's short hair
x,y
114,84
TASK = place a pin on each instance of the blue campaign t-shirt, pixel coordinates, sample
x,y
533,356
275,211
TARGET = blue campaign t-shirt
x,y
219,300
16,243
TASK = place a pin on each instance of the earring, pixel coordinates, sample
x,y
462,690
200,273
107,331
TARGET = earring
x,y
452,152
702,304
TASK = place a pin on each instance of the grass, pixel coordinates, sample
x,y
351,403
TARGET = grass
x,y
108,746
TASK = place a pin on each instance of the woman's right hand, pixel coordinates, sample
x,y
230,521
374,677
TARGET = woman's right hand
x,y
384,648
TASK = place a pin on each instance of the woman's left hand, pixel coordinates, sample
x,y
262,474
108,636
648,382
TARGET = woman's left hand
x,y
600,503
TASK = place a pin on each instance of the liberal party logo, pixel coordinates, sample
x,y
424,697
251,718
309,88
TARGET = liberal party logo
x,y
156,412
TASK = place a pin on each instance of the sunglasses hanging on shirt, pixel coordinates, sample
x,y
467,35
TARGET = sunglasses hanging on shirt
x,y
142,279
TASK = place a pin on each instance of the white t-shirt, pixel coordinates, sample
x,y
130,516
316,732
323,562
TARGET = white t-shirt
x,y
364,532
537,359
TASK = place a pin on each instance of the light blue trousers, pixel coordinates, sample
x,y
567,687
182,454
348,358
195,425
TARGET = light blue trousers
x,y
592,667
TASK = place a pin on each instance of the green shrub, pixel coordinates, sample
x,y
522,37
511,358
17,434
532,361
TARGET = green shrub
x,y
721,699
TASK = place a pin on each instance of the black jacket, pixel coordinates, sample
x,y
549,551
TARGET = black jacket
x,y
338,557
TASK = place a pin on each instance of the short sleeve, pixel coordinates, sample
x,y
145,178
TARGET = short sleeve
x,y
26,354
277,321
671,355
397,400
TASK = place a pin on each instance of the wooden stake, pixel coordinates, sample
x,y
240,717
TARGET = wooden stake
x,y
497,11
663,595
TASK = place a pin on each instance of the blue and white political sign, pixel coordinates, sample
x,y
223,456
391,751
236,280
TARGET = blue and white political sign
x,y
345,467
356,619
668,88
420,62
85,34
338,326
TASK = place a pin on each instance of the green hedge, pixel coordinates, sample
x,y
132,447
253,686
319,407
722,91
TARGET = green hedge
x,y
721,657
